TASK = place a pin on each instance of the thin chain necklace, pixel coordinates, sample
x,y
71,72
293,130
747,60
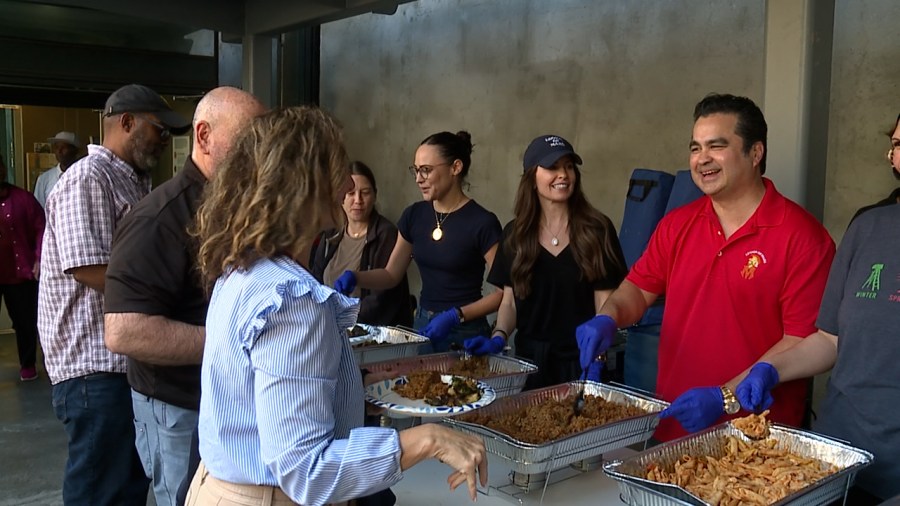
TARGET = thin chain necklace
x,y
357,235
554,237
440,218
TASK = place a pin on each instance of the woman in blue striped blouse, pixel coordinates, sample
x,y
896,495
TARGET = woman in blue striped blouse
x,y
281,415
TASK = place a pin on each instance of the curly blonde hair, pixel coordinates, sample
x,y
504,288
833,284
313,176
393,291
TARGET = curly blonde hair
x,y
271,195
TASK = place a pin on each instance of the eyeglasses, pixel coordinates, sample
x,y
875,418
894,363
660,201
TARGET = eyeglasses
x,y
423,170
891,152
164,132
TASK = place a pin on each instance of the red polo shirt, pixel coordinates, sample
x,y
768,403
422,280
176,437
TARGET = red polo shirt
x,y
729,301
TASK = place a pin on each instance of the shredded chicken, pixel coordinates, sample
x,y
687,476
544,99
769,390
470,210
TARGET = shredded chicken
x,y
750,473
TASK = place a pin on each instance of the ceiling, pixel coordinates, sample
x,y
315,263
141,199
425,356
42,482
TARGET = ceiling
x,y
75,52
235,17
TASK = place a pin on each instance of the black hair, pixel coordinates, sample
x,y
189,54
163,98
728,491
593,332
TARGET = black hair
x,y
751,124
453,147
890,134
358,168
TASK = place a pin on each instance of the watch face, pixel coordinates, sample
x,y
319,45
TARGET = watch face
x,y
732,407
731,404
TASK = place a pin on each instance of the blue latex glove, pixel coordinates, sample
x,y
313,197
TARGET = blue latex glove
x,y
594,337
697,409
440,326
755,392
594,370
480,345
346,283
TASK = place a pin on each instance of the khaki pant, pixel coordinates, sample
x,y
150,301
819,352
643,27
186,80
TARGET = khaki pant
x,y
207,490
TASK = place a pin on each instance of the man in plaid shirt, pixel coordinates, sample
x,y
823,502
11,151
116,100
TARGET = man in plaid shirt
x,y
91,395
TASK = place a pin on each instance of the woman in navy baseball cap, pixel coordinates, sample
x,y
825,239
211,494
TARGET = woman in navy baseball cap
x,y
558,260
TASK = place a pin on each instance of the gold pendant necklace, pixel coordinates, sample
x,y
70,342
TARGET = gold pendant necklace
x,y
554,238
439,219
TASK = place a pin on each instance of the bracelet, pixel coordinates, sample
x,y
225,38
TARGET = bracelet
x,y
505,335
460,315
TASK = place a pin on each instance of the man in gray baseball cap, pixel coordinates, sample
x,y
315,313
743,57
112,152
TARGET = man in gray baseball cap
x,y
83,212
137,98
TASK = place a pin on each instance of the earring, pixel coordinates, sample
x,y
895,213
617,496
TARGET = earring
x,y
890,155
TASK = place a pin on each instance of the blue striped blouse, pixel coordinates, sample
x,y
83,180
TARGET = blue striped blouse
x,y
282,401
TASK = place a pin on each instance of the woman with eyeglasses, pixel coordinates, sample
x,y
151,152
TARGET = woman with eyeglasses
x,y
893,157
857,339
558,261
282,408
365,243
452,239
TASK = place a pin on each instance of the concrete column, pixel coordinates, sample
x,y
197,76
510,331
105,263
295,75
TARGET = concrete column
x,y
300,51
259,68
799,36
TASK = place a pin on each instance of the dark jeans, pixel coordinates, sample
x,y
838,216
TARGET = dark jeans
x,y
21,304
103,467
463,331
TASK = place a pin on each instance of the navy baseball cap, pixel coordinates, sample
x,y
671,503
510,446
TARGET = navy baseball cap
x,y
545,150
139,98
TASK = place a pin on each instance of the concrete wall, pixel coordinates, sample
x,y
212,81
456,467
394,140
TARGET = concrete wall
x,y
864,105
619,79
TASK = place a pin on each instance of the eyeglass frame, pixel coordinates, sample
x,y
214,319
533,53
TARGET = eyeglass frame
x,y
164,132
415,171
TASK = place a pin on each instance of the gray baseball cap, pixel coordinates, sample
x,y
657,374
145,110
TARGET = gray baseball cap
x,y
139,98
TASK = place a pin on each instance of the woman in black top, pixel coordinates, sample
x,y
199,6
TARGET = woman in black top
x,y
558,261
365,243
453,241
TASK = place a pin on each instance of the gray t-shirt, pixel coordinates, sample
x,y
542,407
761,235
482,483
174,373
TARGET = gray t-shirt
x,y
348,257
861,305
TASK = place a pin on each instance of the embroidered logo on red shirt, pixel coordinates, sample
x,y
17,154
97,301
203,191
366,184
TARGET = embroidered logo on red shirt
x,y
755,259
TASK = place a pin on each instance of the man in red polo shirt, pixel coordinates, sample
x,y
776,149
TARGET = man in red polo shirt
x,y
743,270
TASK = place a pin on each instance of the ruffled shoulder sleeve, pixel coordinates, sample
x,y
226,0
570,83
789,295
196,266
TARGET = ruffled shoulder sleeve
x,y
272,283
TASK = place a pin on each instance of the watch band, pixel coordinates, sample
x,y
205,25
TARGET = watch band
x,y
459,313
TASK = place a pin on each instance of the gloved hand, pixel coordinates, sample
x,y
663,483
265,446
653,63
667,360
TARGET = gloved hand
x,y
594,370
440,326
480,345
594,337
346,283
697,409
755,391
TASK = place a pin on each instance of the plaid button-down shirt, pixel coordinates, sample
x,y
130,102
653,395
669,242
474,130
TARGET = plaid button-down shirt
x,y
83,210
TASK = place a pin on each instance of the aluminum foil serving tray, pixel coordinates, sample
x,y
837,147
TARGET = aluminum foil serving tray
x,y
508,378
529,458
384,343
636,490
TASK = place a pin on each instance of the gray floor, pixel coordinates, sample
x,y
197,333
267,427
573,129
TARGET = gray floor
x,y
32,440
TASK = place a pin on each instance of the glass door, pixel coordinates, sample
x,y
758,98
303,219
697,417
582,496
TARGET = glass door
x,y
7,142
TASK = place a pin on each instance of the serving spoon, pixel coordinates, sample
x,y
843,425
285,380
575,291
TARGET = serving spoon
x,y
458,347
578,404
